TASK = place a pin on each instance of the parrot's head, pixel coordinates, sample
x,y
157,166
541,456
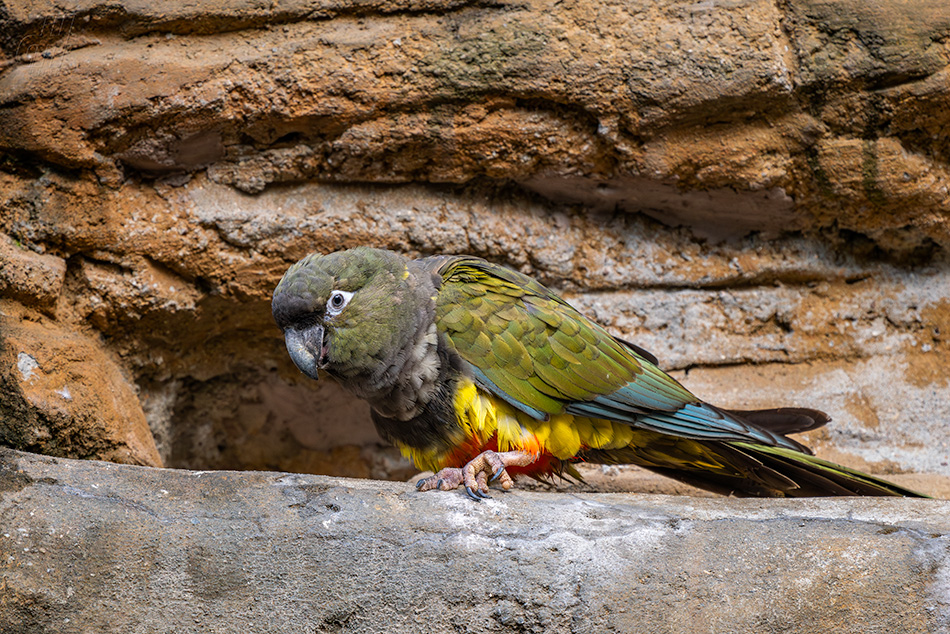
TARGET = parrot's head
x,y
347,312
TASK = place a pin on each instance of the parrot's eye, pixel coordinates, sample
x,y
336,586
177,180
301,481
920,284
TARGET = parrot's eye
x,y
337,302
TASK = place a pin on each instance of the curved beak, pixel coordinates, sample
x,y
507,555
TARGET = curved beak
x,y
306,349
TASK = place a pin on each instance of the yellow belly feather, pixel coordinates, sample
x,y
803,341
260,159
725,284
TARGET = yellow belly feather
x,y
483,417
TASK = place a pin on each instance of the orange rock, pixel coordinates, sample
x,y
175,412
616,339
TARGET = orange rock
x,y
65,395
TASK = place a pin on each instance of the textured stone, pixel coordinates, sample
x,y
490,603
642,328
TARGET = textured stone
x,y
92,547
30,277
801,116
65,396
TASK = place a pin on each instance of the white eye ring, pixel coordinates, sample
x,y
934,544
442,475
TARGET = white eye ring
x,y
337,302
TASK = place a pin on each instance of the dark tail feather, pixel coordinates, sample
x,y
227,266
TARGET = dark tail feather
x,y
750,470
817,477
784,420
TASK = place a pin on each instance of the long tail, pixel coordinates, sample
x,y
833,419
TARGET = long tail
x,y
813,476
750,469
816,477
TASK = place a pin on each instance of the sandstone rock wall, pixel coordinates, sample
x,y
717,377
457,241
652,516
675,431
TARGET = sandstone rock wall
x,y
755,191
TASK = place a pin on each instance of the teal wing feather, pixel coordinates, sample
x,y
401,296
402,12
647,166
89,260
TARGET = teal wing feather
x,y
529,347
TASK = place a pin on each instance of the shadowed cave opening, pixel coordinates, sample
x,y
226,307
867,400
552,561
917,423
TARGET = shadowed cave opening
x,y
255,419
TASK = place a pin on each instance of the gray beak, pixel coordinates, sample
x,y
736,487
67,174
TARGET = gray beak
x,y
306,349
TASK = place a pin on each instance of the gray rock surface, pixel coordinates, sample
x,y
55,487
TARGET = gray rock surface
x,y
100,547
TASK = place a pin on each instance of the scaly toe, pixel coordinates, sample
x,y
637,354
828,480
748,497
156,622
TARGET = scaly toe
x,y
482,479
445,480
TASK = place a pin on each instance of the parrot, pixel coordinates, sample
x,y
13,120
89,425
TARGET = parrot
x,y
479,373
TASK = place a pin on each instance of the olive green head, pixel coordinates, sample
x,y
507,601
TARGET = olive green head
x,y
346,312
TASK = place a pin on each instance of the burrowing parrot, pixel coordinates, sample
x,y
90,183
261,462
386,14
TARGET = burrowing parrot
x,y
477,372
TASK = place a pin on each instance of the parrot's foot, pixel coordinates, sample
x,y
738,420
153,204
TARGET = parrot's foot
x,y
486,467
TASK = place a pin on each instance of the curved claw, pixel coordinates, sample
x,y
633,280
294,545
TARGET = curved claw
x,y
497,474
476,495
420,483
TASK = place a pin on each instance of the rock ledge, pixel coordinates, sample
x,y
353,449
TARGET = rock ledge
x,y
91,546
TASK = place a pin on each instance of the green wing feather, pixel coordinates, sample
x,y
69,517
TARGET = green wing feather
x,y
531,348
